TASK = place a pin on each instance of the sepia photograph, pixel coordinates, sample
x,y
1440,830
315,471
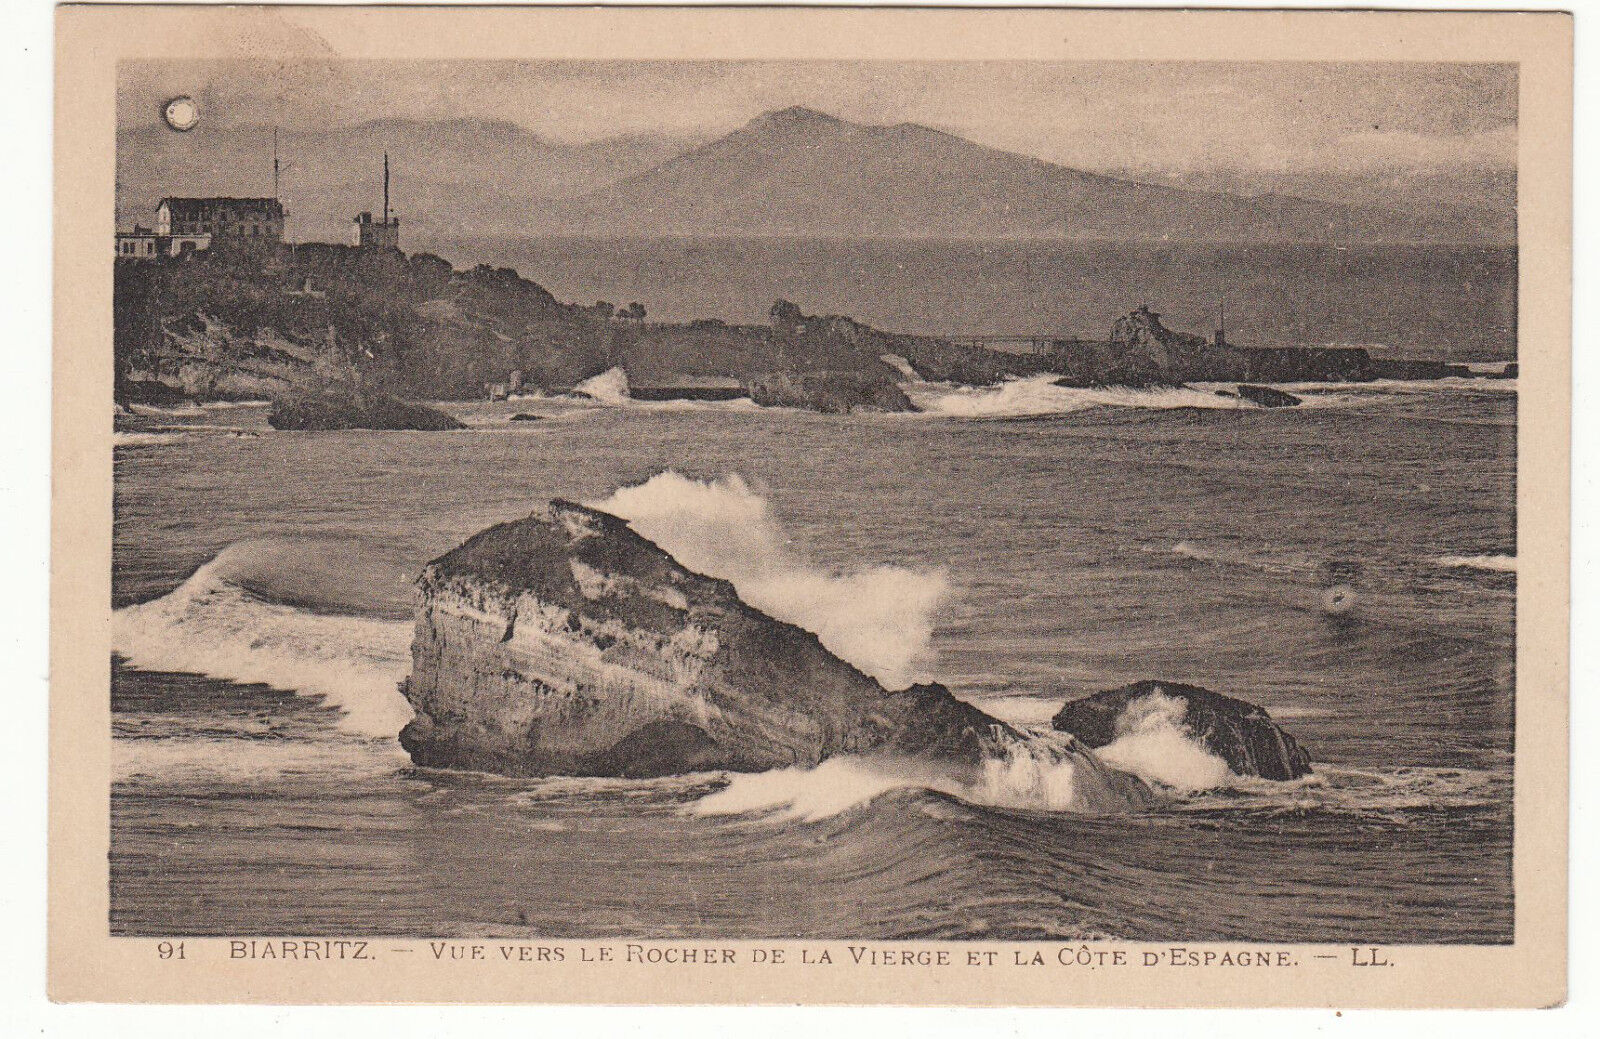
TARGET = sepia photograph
x,y
681,501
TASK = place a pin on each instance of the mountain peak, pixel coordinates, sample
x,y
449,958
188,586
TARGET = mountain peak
x,y
798,172
797,115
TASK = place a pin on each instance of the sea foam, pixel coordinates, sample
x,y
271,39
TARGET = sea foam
x,y
612,389
1039,395
123,438
212,625
609,387
880,618
1154,743
1044,772
1506,564
177,762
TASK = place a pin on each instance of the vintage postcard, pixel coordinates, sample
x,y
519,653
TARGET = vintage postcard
x,y
795,505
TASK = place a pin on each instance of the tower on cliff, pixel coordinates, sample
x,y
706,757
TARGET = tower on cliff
x,y
379,234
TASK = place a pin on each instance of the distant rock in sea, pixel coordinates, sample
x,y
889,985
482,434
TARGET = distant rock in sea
x,y
1240,733
1268,397
567,644
356,410
833,392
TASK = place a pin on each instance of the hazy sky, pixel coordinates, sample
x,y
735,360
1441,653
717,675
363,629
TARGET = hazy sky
x,y
1176,118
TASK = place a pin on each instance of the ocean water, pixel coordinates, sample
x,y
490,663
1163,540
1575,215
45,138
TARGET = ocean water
x,y
1350,565
1443,302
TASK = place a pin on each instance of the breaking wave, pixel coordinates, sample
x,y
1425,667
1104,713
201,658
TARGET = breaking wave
x,y
1153,743
880,619
1506,564
1045,772
140,439
1366,793
179,761
222,624
612,389
609,387
1039,395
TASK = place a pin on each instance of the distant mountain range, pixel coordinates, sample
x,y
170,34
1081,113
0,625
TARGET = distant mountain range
x,y
450,178
790,173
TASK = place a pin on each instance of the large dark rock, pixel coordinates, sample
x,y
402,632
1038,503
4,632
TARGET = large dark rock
x,y
356,411
565,643
1240,733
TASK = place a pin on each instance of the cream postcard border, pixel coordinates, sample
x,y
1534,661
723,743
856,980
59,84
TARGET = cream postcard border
x,y
85,963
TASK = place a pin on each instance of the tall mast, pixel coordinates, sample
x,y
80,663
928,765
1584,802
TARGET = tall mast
x,y
1222,317
386,188
274,162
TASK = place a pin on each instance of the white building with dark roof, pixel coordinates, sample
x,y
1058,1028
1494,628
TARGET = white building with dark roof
x,y
248,221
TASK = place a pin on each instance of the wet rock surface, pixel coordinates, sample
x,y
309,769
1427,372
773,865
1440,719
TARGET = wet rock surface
x,y
1240,733
1268,397
566,643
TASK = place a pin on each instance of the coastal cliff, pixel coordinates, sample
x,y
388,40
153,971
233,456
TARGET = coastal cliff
x,y
566,643
298,320
295,321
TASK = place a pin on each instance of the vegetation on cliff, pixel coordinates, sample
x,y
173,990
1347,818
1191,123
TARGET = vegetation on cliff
x,y
311,319
214,324
307,317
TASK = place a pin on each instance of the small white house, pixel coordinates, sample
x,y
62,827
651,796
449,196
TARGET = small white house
x,y
139,244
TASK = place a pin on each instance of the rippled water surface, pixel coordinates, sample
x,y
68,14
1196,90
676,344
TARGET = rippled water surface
x,y
1056,547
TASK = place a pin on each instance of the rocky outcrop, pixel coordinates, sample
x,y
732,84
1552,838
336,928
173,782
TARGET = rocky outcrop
x,y
1144,352
566,643
1240,733
1267,397
1140,331
356,410
262,326
833,392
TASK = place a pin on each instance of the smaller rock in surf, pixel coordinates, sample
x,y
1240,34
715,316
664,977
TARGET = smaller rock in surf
x,y
1240,733
1268,397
